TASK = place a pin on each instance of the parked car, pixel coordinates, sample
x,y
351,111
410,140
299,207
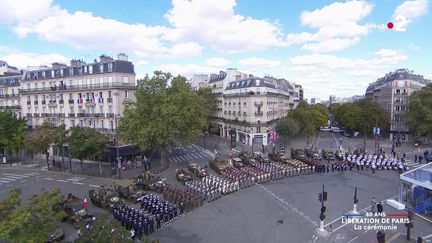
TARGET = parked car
x,y
325,129
336,129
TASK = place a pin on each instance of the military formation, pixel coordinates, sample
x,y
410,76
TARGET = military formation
x,y
187,198
375,162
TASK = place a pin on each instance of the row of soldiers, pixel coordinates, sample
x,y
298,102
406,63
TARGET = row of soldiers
x,y
153,204
187,197
212,191
376,162
139,222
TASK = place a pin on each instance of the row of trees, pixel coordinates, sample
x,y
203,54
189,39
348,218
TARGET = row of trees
x,y
82,142
12,132
304,118
360,115
166,111
419,115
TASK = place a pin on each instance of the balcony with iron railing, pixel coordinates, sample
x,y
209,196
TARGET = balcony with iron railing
x,y
52,103
36,115
10,107
29,115
109,99
43,102
258,113
71,114
109,114
258,103
61,102
28,102
116,85
90,102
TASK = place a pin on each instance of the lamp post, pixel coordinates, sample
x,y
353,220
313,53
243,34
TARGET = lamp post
x,y
205,135
117,147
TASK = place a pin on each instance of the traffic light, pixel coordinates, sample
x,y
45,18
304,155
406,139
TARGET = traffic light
x,y
322,216
325,196
323,209
320,197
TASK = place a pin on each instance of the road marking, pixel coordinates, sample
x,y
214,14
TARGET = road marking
x,y
285,205
7,179
49,179
353,239
76,179
29,174
94,186
15,175
2,181
170,160
78,183
63,181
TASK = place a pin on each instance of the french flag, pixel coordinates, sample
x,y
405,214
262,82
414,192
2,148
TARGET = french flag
x,y
85,203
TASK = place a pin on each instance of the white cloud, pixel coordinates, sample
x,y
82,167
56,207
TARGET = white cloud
x,y
256,62
331,45
25,11
185,50
334,33
414,47
336,13
104,34
341,75
407,12
187,70
22,60
143,62
215,24
217,62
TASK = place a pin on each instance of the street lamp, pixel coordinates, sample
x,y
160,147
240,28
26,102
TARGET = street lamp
x,y
117,147
205,135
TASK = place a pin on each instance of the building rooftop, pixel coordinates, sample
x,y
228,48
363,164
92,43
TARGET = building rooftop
x,y
249,82
398,74
12,80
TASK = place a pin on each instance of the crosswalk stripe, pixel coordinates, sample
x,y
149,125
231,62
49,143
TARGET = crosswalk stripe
x,y
31,173
28,174
7,179
190,156
171,160
177,159
2,181
16,175
182,158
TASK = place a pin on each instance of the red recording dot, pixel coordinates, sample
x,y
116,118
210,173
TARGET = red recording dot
x,y
390,25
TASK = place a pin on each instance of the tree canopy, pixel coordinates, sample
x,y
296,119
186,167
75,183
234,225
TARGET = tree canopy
x,y
12,131
105,231
86,143
419,115
164,113
309,117
354,116
41,138
30,223
287,128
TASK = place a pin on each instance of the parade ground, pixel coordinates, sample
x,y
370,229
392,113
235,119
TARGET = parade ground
x,y
285,210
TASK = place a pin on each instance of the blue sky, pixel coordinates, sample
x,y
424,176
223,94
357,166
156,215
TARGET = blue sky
x,y
329,47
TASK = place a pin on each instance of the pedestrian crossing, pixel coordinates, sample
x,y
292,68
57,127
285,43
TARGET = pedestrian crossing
x,y
411,164
188,157
6,178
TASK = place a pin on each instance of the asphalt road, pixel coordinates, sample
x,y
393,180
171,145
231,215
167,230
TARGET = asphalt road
x,y
281,211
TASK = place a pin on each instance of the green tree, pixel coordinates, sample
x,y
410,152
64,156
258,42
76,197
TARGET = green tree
x,y
419,115
106,231
12,131
59,138
41,138
354,116
33,222
287,128
310,118
86,143
163,114
210,102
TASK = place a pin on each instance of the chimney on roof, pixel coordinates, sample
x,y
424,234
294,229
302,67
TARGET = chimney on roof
x,y
77,62
57,65
105,58
122,57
